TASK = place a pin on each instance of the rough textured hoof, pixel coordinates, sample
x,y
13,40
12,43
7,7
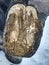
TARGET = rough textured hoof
x,y
22,33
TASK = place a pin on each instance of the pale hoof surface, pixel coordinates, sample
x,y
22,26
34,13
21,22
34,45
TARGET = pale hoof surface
x,y
23,31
